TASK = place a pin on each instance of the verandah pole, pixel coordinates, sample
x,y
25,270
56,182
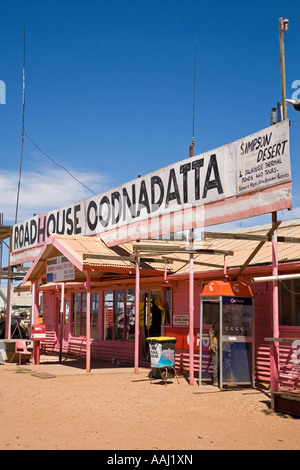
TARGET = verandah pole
x,y
88,321
36,311
137,316
274,348
191,319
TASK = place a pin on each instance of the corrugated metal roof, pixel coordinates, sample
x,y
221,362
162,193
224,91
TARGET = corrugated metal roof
x,y
287,252
86,251
5,231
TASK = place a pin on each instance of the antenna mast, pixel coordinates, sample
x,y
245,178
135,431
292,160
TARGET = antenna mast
x,y
20,172
193,133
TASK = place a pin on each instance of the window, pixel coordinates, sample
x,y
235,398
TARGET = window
x,y
168,305
119,315
289,302
79,314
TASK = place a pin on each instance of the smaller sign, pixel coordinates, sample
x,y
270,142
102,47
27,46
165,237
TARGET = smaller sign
x,y
60,269
180,320
38,332
155,353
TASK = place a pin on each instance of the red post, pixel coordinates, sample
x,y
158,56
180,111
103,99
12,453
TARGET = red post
x,y
36,311
88,321
191,318
274,348
8,309
137,317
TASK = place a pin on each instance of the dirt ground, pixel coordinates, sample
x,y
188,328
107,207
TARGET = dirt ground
x,y
116,409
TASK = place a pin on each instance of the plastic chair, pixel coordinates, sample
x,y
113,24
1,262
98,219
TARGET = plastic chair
x,y
167,361
21,349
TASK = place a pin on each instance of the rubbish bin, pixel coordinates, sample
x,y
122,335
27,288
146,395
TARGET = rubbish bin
x,y
157,344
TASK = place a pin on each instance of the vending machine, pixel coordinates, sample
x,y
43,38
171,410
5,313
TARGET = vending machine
x,y
227,317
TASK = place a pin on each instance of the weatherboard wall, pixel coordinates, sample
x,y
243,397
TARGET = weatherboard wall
x,y
122,351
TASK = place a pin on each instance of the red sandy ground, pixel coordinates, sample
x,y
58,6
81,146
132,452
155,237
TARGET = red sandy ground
x,y
122,411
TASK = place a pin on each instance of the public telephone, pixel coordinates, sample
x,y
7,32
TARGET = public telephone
x,y
232,305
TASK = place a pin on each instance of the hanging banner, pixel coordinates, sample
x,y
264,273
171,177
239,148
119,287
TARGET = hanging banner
x,y
246,178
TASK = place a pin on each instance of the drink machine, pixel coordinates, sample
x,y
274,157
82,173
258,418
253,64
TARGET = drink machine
x,y
228,308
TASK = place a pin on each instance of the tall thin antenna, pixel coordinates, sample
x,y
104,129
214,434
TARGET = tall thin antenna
x,y
20,172
193,133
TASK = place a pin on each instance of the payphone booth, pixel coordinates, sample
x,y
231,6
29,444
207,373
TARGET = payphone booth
x,y
227,308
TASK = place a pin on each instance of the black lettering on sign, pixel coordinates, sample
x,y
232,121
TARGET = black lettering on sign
x,y
21,236
143,199
92,207
60,230
184,170
196,166
155,204
26,236
77,229
175,193
42,230
16,238
104,201
116,196
51,224
130,203
216,182
69,221
33,231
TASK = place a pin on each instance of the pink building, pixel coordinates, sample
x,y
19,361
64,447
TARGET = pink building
x,y
100,307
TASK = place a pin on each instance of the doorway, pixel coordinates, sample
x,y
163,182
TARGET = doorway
x,y
151,313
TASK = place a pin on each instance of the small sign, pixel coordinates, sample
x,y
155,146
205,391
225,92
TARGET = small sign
x,y
155,353
60,269
181,320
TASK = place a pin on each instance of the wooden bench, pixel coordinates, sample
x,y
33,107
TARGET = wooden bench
x,y
286,401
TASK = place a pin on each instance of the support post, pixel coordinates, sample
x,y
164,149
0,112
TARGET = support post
x,y
191,275
137,316
61,320
274,348
191,318
88,322
8,309
282,68
36,311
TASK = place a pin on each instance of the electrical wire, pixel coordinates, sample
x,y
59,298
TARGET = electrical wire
x,y
58,164
7,154
289,290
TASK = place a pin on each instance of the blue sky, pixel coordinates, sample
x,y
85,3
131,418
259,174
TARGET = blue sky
x,y
109,89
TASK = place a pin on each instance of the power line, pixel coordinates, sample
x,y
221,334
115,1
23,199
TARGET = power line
x,y
58,164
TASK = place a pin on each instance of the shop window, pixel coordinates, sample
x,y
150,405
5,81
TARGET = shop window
x,y
289,302
119,315
168,305
79,314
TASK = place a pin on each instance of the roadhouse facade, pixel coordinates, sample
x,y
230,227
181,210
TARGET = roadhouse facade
x,y
108,283
164,295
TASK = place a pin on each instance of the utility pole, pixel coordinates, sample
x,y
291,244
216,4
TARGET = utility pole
x,y
21,159
283,26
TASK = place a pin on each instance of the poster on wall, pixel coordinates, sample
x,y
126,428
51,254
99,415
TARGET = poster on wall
x,y
59,269
249,177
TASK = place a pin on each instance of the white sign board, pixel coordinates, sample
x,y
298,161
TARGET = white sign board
x,y
155,353
249,177
181,319
60,269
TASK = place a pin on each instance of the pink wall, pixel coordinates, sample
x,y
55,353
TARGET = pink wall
x,y
124,351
